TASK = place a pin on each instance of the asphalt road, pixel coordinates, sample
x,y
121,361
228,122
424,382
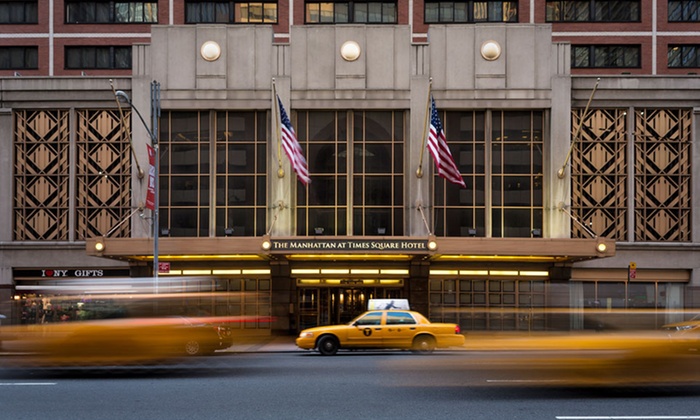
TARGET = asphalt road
x,y
303,385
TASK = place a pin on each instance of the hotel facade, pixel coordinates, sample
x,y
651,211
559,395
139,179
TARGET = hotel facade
x,y
572,124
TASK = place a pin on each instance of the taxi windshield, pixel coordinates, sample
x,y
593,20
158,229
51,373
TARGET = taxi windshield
x,y
368,318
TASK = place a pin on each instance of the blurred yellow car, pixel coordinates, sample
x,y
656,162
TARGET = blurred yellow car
x,y
382,329
691,324
111,341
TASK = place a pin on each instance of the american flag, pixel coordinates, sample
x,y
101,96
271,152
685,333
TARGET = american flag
x,y
292,147
437,145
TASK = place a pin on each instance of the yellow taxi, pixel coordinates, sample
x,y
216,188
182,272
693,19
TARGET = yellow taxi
x,y
382,329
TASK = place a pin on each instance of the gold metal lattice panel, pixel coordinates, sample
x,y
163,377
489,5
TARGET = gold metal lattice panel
x,y
662,203
103,174
41,175
599,173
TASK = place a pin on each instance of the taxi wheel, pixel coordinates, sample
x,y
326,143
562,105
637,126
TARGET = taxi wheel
x,y
423,344
328,345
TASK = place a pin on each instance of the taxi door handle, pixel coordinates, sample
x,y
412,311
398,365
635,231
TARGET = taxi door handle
x,y
412,328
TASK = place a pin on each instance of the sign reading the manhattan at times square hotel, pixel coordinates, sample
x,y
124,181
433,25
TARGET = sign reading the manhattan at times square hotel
x,y
349,245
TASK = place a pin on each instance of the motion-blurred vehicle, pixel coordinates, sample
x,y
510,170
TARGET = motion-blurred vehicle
x,y
382,329
619,358
692,324
687,332
205,337
112,341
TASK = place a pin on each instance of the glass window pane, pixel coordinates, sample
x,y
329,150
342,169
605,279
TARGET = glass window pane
x,y
461,12
361,13
342,13
432,12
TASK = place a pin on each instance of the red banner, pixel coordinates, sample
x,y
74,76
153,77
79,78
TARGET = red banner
x,y
151,194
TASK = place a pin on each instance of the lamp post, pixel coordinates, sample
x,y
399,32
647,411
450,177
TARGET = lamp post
x,y
155,116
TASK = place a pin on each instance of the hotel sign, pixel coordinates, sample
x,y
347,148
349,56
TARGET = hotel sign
x,y
399,246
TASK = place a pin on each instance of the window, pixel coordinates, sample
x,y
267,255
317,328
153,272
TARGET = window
x,y
593,11
372,318
378,180
683,10
227,147
19,58
365,198
462,211
230,12
118,57
471,11
658,300
399,318
516,173
351,12
185,173
124,11
18,12
240,173
488,303
504,163
605,56
681,56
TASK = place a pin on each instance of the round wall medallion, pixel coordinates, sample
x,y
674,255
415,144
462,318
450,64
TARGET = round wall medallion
x,y
210,51
490,50
350,51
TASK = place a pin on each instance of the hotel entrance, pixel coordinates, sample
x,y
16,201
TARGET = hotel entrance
x,y
338,305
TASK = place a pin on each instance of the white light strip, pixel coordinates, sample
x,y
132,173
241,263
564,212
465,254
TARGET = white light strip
x,y
196,272
364,271
396,271
444,272
305,271
256,271
534,273
226,272
335,271
503,273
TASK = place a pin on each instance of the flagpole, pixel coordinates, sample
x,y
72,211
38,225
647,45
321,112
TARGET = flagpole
x,y
562,171
419,171
280,170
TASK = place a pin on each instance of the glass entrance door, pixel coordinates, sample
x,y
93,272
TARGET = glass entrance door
x,y
330,306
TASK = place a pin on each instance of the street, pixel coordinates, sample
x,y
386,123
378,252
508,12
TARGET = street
x,y
304,385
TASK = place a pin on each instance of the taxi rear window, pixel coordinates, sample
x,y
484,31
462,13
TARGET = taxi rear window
x,y
393,318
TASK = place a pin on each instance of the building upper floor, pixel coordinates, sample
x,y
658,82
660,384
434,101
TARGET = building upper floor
x,y
73,172
94,38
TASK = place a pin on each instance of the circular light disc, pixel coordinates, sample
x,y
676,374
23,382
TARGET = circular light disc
x,y
350,51
490,50
210,51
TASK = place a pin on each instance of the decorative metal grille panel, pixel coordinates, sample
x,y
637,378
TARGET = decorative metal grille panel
x,y
103,174
662,204
41,175
599,173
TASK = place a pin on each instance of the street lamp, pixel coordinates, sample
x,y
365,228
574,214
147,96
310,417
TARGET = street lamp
x,y
155,116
